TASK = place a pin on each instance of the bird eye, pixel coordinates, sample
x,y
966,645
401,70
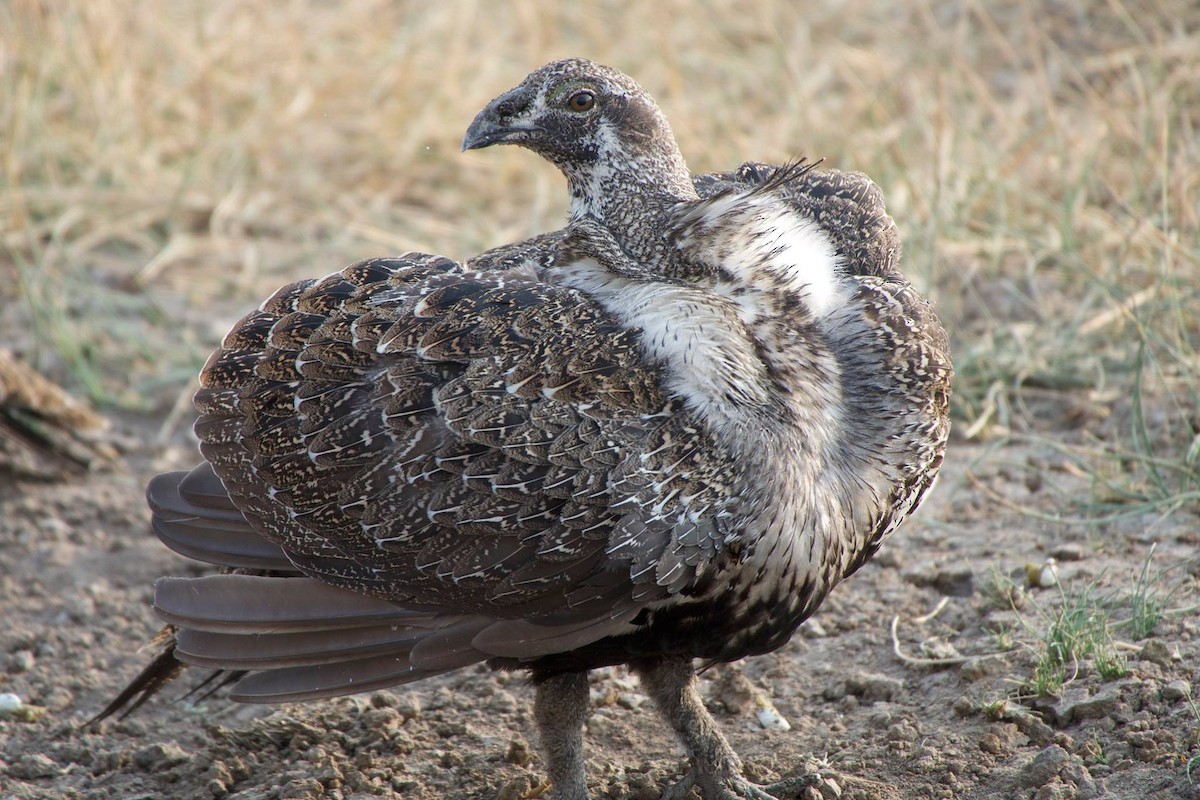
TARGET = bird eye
x,y
581,101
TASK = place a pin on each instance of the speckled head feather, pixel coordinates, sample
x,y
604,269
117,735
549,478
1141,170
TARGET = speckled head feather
x,y
605,133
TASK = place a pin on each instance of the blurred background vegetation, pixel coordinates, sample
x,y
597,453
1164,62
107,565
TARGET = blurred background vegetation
x,y
167,163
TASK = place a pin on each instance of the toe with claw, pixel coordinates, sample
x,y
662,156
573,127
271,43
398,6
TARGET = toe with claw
x,y
807,787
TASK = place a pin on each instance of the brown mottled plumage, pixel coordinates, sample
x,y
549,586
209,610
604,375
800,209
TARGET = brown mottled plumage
x,y
663,433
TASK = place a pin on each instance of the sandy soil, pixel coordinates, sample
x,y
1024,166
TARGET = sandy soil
x,y
77,562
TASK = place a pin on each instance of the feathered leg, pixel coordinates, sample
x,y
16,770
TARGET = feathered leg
x,y
716,768
561,706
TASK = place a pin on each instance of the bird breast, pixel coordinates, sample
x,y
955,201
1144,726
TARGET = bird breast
x,y
761,352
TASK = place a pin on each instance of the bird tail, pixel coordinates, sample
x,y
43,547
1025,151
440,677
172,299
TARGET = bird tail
x,y
161,670
278,636
300,639
191,513
270,632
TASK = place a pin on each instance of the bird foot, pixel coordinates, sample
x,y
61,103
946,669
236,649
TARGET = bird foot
x,y
805,787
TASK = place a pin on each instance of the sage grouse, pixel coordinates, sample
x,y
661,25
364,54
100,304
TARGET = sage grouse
x,y
661,434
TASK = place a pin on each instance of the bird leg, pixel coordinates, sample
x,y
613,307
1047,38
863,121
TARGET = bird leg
x,y
716,768
560,707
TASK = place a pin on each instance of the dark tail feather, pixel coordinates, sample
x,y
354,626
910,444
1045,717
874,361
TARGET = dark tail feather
x,y
335,679
298,639
192,514
164,668
275,635
158,673
280,637
217,680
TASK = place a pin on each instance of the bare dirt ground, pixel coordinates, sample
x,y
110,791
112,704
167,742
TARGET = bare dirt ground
x,y
166,164
77,562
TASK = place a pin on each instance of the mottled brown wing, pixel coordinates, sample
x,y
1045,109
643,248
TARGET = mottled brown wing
x,y
471,442
917,364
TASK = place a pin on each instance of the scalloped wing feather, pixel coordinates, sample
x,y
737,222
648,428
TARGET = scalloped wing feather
x,y
454,439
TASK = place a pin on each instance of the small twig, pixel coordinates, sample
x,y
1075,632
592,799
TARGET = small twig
x,y
936,610
930,662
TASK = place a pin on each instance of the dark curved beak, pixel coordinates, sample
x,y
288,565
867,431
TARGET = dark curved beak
x,y
498,122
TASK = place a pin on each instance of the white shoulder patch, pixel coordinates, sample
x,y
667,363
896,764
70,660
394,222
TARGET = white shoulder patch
x,y
696,334
767,244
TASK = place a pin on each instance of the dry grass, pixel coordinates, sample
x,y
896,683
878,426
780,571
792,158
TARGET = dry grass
x,y
169,161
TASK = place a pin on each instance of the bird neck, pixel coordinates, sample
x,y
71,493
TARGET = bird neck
x,y
632,198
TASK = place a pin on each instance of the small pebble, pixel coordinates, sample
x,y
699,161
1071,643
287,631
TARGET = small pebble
x,y
602,695
408,706
1100,705
1175,691
631,700
974,669
734,690
991,743
12,707
1042,576
1156,652
515,789
9,703
1078,774
938,648
1055,791
518,753
1044,766
1068,552
950,580
160,756
769,716
33,766
874,688
20,661
815,630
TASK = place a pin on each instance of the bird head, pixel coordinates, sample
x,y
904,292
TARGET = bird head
x,y
592,121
